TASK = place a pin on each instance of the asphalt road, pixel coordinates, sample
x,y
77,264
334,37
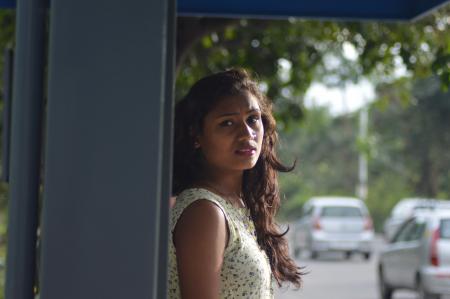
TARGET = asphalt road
x,y
333,277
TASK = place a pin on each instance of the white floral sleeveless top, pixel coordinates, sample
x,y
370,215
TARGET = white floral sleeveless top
x,y
245,270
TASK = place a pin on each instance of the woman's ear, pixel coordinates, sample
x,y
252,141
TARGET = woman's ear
x,y
196,141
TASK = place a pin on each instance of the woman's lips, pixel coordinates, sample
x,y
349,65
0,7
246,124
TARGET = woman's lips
x,y
246,151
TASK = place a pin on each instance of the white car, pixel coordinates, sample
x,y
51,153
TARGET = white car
x,y
418,257
405,208
331,223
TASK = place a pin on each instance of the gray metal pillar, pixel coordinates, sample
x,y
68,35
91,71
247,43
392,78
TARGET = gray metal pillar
x,y
106,179
26,129
167,144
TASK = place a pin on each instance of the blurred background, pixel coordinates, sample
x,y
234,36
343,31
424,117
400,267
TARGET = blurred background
x,y
362,107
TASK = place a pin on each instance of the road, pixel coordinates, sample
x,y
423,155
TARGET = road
x,y
331,276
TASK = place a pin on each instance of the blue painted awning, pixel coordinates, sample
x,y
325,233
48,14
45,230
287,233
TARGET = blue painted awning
x,y
343,9
7,3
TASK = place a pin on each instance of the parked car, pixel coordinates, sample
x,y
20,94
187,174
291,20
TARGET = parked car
x,y
418,257
327,224
405,208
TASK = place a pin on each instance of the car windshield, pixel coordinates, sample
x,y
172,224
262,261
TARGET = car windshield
x,y
445,229
340,211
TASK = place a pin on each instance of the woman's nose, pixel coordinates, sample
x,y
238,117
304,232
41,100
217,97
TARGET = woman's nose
x,y
247,132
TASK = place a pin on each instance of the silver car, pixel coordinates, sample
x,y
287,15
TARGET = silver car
x,y
405,208
418,257
328,224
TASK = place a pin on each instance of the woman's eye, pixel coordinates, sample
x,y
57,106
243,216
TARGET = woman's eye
x,y
226,123
253,119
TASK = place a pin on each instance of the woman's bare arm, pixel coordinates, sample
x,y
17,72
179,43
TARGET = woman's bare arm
x,y
200,238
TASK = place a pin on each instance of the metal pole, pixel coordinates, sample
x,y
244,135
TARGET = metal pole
x,y
167,152
363,172
26,131
105,202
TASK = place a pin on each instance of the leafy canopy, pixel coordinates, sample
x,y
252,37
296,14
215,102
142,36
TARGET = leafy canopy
x,y
288,55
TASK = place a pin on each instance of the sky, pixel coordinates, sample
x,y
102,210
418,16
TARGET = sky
x,y
348,99
340,100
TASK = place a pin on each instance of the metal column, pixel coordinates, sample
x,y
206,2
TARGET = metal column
x,y
167,144
26,129
107,178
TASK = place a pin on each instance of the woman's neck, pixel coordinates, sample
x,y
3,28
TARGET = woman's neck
x,y
228,185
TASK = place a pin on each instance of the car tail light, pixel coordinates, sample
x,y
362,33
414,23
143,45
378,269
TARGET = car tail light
x,y
316,224
434,259
368,225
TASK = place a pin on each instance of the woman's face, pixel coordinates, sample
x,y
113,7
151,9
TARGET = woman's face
x,y
232,134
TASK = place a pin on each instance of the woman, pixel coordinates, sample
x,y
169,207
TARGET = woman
x,y
224,241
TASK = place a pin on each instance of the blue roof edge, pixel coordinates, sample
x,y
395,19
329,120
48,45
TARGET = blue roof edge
x,y
417,10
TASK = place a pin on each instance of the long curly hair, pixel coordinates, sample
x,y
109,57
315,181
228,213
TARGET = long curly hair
x,y
260,183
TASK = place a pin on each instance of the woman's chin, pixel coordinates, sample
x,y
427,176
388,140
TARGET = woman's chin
x,y
249,165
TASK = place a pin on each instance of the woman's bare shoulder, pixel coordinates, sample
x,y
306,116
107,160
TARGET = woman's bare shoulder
x,y
200,238
201,219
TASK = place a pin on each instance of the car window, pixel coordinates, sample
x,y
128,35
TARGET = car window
x,y
410,231
307,212
416,232
339,211
403,232
445,228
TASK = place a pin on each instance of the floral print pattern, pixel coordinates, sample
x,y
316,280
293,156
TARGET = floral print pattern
x,y
246,270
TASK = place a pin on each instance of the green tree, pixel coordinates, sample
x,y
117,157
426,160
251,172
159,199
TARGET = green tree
x,y
327,156
288,55
7,19
413,137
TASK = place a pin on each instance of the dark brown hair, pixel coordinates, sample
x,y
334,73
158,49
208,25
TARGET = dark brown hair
x,y
260,183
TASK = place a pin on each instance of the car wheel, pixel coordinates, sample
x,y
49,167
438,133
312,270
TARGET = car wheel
x,y
367,256
385,290
423,293
314,255
348,255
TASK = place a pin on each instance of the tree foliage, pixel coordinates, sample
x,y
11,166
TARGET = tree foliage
x,y
7,19
412,139
327,156
288,55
